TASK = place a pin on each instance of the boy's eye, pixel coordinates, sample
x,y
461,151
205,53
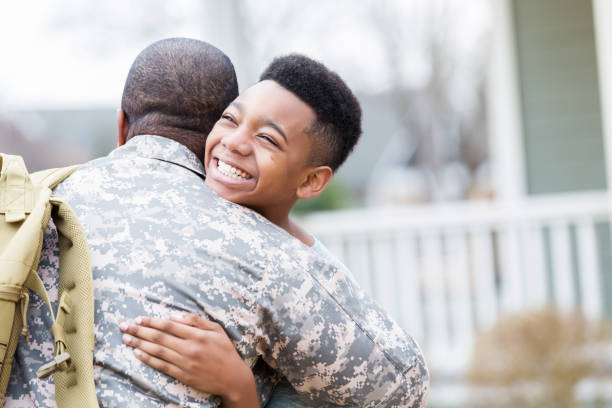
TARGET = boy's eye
x,y
268,139
228,118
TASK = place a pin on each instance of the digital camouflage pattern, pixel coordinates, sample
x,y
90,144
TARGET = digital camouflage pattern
x,y
161,242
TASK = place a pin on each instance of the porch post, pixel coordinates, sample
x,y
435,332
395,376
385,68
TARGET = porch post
x,y
505,122
602,18
602,13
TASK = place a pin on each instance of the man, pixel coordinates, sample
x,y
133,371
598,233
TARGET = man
x,y
161,242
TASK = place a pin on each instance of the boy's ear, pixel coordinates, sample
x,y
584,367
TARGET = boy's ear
x,y
122,127
315,181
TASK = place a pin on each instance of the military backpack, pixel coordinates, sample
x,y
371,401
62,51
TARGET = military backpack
x,y
26,205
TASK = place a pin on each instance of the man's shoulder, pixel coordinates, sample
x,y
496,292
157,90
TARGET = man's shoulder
x,y
141,157
132,168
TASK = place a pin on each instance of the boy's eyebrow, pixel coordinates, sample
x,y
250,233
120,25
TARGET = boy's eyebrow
x,y
268,122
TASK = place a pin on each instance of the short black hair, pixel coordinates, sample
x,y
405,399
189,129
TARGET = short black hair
x,y
178,88
337,126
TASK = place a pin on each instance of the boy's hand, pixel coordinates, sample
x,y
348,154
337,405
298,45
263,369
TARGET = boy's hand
x,y
195,351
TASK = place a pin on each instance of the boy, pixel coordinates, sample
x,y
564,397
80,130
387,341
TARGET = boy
x,y
282,139
279,141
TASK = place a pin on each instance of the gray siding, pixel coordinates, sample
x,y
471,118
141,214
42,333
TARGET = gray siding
x,y
557,68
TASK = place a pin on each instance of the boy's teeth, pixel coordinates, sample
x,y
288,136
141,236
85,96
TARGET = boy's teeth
x,y
232,171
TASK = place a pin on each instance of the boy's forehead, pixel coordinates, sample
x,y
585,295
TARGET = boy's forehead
x,y
269,99
267,89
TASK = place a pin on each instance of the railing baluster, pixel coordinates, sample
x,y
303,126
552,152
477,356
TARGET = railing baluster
x,y
483,278
411,309
459,294
510,270
562,267
383,273
534,272
589,269
358,260
435,302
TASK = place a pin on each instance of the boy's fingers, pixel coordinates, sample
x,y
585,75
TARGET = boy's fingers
x,y
197,321
153,349
158,364
165,325
153,335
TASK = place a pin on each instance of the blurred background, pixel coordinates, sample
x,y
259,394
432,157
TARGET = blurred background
x,y
475,207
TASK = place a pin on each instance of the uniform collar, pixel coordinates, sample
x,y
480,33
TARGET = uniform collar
x,y
161,148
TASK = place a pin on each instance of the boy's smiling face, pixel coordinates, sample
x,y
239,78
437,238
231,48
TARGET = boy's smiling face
x,y
258,153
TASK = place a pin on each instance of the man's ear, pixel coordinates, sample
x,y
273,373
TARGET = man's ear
x,y
315,181
122,127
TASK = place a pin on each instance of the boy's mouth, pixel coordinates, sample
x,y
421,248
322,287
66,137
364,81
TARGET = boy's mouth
x,y
232,171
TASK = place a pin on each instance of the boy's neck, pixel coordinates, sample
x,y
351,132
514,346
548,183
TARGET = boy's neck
x,y
298,232
281,219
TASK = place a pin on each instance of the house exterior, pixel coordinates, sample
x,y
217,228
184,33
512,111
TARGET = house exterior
x,y
448,272
550,104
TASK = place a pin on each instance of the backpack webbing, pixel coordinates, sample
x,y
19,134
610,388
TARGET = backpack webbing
x,y
73,322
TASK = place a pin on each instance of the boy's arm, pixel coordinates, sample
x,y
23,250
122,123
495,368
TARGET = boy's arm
x,y
197,352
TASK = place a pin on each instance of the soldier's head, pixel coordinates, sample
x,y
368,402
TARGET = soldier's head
x,y
177,88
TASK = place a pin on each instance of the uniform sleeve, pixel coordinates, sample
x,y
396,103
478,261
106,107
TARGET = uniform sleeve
x,y
334,343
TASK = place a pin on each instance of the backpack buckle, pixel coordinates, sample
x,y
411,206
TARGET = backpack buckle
x,y
59,363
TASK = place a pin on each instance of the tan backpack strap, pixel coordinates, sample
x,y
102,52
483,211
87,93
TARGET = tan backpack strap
x,y
75,387
35,284
52,177
10,325
10,339
16,195
18,257
74,325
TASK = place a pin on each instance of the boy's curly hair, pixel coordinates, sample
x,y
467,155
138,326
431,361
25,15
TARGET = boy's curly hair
x,y
337,127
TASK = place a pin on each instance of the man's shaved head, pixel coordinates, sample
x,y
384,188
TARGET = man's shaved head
x,y
178,88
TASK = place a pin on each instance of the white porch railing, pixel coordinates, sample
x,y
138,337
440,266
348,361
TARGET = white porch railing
x,y
446,272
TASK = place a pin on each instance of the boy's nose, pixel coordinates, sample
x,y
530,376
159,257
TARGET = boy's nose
x,y
237,142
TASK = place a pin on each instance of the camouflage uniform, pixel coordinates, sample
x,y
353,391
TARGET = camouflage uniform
x,y
162,242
